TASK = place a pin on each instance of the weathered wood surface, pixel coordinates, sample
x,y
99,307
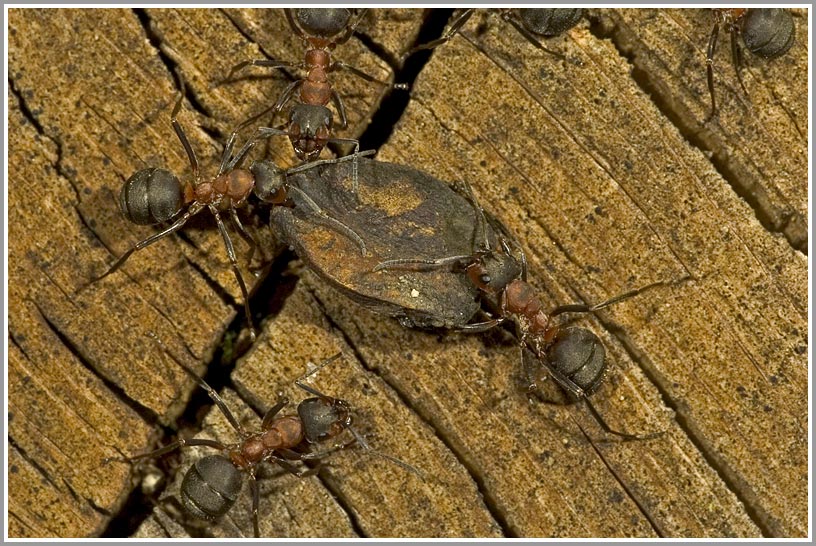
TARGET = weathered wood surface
x,y
600,181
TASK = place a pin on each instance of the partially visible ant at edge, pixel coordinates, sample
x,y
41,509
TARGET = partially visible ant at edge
x,y
767,33
153,196
310,125
530,23
212,484
574,357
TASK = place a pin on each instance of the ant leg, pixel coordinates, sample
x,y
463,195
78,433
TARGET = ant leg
x,y
256,501
736,57
178,444
285,97
453,28
327,220
226,156
295,27
192,211
477,327
183,137
317,455
284,464
318,162
579,393
214,396
712,47
350,28
239,227
530,37
584,308
230,162
234,263
341,108
609,430
339,65
481,224
355,186
269,63
269,417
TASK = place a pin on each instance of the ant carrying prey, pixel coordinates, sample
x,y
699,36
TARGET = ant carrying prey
x,y
212,484
310,125
153,196
573,357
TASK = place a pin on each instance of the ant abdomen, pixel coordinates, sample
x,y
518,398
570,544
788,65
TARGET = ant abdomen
x,y
210,487
323,22
768,32
549,21
151,196
578,355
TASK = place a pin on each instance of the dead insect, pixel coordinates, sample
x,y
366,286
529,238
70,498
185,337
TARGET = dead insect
x,y
397,211
766,32
152,196
212,484
529,22
310,125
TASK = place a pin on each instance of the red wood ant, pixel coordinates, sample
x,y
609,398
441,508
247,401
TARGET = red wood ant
x,y
530,23
152,196
310,121
573,357
212,484
767,32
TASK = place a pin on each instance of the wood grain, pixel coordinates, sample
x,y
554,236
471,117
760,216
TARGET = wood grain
x,y
603,167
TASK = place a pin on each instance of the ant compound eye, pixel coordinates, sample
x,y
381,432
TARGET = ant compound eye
x,y
485,278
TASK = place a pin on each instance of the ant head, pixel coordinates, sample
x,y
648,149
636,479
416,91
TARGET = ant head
x,y
210,487
323,22
324,417
492,271
151,196
269,182
309,130
768,32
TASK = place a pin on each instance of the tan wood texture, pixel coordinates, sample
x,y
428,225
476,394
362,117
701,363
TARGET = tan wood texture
x,y
602,166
